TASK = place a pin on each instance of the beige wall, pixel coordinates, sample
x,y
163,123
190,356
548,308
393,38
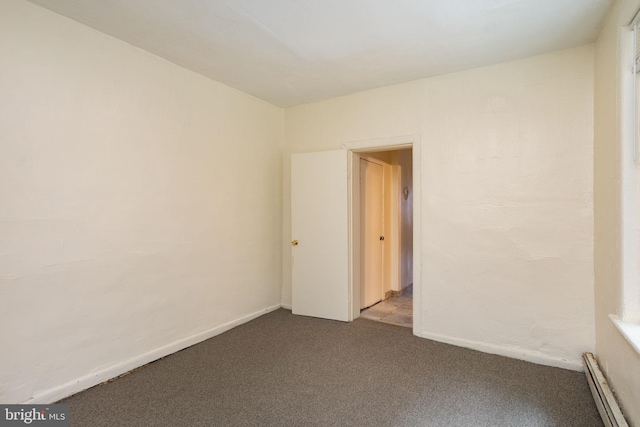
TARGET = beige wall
x,y
140,206
620,362
507,215
404,168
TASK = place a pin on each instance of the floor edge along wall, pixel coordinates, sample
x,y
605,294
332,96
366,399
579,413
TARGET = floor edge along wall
x,y
79,384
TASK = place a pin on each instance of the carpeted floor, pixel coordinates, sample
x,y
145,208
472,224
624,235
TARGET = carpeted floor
x,y
286,370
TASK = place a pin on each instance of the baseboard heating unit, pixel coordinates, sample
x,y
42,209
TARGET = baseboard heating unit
x,y
604,398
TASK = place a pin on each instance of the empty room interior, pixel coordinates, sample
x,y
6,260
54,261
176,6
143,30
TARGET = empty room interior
x,y
321,212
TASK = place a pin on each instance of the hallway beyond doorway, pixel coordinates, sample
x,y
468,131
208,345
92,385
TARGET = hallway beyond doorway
x,y
396,310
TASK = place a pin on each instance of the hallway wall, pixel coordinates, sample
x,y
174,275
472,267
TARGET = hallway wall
x,y
403,164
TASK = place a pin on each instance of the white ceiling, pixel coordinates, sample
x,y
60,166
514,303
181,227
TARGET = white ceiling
x,y
290,52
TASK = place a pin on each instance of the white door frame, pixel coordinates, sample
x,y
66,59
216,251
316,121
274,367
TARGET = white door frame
x,y
383,144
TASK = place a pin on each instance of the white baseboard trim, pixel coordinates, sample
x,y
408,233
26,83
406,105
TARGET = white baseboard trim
x,y
87,381
507,351
286,306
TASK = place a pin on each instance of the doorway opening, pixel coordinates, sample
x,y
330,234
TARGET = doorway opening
x,y
325,257
384,201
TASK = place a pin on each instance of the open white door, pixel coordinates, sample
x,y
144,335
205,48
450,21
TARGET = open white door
x,y
319,227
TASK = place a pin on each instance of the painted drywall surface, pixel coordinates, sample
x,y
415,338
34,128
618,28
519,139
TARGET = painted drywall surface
x,y
507,243
403,161
508,221
141,202
619,361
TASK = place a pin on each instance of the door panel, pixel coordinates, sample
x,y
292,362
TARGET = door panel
x,y
319,224
372,228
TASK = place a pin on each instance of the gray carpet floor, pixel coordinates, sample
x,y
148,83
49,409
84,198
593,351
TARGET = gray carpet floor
x,y
286,370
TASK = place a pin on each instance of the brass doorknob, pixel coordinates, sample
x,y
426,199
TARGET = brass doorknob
x,y
294,243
